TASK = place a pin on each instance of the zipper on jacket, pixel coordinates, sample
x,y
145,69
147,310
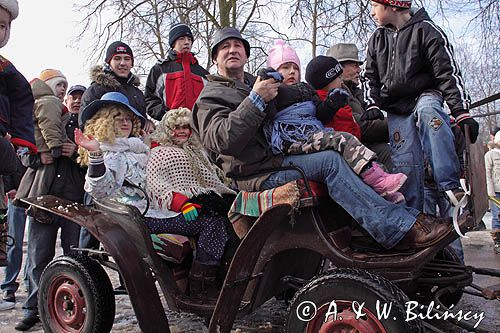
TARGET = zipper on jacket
x,y
393,55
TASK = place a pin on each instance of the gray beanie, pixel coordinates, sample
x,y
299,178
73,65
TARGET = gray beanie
x,y
11,6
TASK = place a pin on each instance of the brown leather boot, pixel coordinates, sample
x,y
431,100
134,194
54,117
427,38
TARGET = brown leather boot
x,y
202,281
427,231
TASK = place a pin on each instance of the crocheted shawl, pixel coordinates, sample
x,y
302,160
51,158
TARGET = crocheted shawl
x,y
293,124
184,170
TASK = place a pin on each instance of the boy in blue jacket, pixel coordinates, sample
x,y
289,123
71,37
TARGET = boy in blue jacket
x,y
410,71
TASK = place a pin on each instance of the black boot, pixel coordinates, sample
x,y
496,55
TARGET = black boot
x,y
203,282
27,322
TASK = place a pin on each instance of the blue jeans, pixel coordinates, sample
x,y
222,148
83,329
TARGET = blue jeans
x,y
386,222
495,210
41,250
16,218
426,131
433,199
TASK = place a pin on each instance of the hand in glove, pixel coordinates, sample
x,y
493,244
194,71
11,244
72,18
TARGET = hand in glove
x,y
337,98
268,73
372,113
190,211
473,127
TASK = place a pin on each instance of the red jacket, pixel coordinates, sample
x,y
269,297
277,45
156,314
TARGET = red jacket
x,y
172,83
343,121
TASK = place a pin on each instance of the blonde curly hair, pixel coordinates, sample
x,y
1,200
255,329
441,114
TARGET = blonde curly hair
x,y
102,127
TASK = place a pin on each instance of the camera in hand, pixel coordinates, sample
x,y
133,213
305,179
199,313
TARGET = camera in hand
x,y
269,73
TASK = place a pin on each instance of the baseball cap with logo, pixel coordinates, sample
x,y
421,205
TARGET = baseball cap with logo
x,y
322,70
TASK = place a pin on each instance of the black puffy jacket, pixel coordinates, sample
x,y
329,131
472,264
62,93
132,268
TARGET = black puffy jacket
x,y
104,80
402,64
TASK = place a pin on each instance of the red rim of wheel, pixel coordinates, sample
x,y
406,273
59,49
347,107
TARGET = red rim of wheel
x,y
346,320
66,304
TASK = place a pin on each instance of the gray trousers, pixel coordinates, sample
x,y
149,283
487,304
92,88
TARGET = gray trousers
x,y
41,250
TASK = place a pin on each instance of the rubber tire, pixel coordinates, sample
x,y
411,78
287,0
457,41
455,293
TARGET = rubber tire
x,y
354,285
94,284
448,253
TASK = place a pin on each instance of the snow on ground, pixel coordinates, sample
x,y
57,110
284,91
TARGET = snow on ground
x,y
268,318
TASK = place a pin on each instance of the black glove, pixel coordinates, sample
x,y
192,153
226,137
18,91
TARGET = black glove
x,y
473,128
337,98
268,73
372,113
56,152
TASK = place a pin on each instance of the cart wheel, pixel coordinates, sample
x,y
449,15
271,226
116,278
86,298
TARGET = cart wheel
x,y
425,293
349,289
76,295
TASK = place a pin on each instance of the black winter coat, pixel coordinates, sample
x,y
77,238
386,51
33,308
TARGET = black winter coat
x,y
8,157
402,64
104,80
16,106
70,176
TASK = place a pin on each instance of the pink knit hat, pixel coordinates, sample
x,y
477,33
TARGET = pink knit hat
x,y
280,54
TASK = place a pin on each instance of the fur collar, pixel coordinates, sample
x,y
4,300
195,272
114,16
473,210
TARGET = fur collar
x,y
101,76
132,144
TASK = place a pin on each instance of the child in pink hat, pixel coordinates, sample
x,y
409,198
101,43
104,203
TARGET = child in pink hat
x,y
296,127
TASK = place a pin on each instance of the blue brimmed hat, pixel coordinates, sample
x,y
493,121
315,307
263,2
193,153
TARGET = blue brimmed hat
x,y
110,98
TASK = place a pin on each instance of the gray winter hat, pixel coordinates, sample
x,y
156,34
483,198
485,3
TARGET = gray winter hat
x,y
344,52
11,6
226,33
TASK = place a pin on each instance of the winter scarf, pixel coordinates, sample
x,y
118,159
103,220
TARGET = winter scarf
x,y
293,124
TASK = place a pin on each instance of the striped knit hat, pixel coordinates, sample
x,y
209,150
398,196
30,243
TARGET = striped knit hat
x,y
396,3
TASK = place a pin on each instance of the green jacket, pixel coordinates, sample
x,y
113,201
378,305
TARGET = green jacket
x,y
230,128
49,118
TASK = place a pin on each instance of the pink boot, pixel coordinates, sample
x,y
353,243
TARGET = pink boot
x,y
395,197
383,183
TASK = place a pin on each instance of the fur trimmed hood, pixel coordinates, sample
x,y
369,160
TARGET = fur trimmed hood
x,y
105,77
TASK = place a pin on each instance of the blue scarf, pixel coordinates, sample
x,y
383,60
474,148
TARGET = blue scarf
x,y
293,124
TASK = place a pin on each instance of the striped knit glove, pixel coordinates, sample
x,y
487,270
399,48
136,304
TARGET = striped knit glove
x,y
190,211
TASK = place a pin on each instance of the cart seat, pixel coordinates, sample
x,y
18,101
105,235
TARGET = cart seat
x,y
174,248
248,206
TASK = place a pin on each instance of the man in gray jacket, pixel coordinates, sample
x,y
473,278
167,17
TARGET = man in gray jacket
x,y
228,116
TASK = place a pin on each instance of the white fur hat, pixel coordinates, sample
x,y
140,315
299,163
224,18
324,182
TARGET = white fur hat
x,y
11,6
